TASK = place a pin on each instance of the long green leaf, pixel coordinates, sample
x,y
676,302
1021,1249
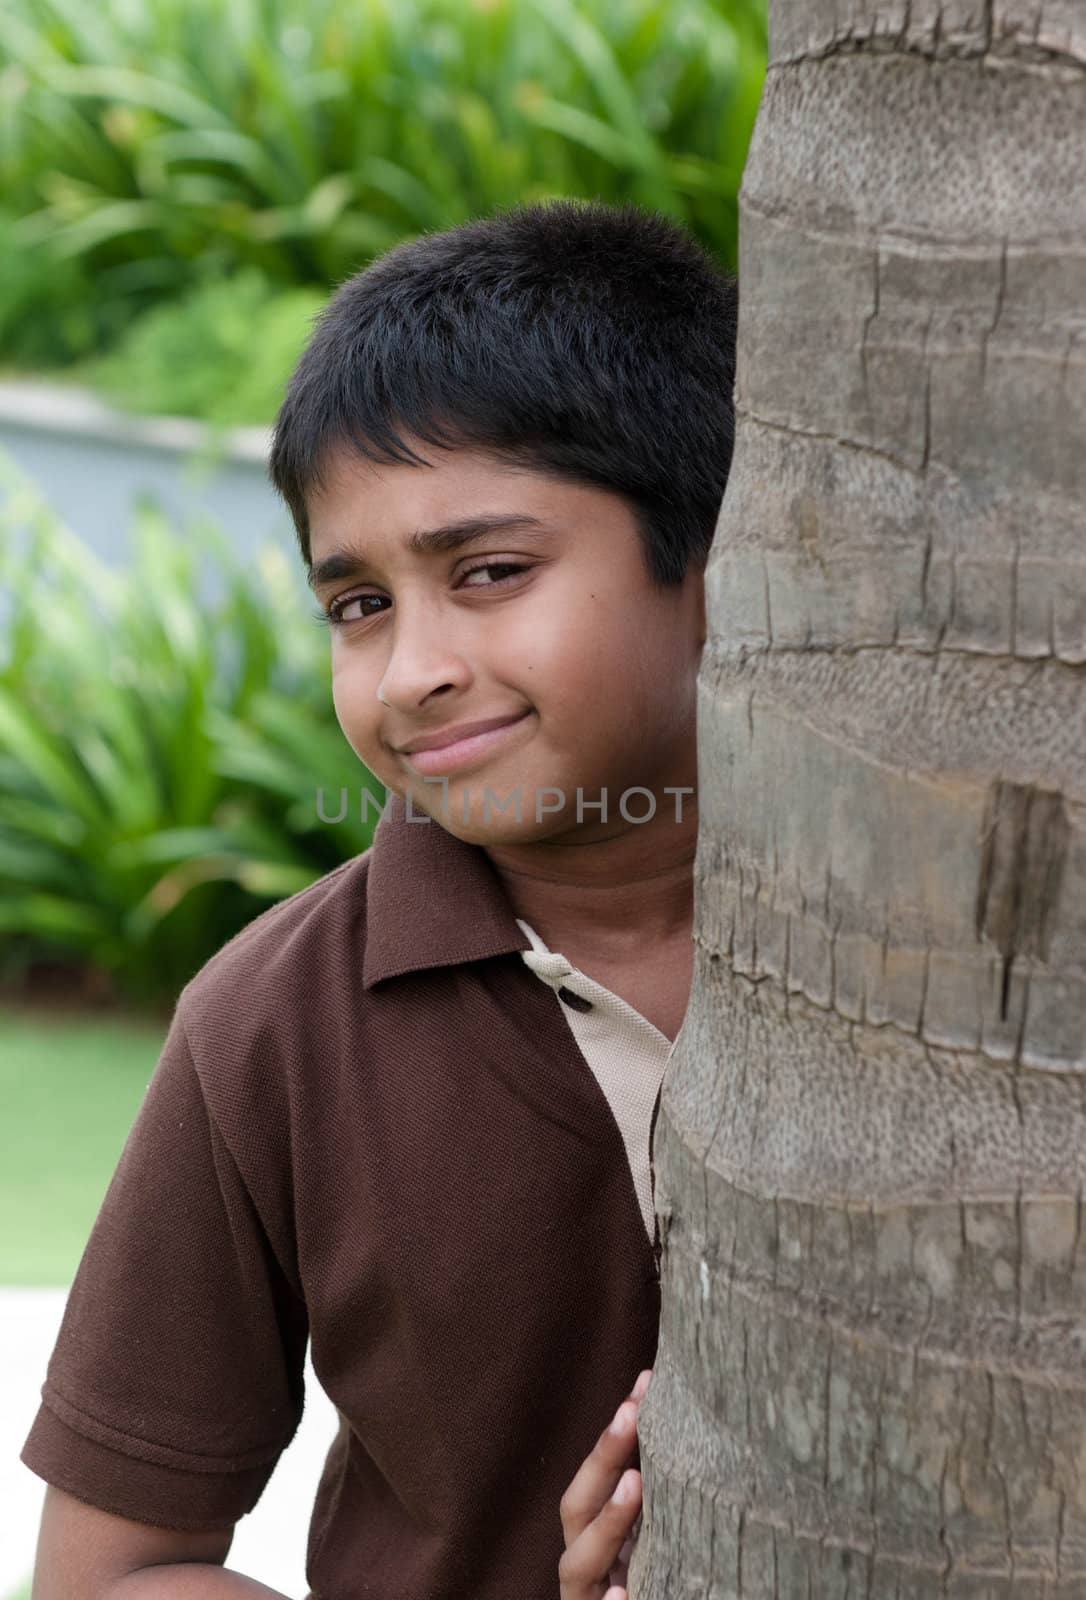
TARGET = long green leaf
x,y
22,735
75,925
131,87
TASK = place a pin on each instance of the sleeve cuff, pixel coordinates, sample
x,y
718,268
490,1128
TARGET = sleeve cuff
x,y
144,1491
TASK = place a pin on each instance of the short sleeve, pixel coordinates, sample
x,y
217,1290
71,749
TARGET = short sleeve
x,y
176,1380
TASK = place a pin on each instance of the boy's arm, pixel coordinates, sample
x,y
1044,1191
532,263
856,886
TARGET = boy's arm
x,y
87,1554
193,1582
177,1377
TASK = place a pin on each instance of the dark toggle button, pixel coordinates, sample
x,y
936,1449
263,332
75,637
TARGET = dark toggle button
x,y
576,1001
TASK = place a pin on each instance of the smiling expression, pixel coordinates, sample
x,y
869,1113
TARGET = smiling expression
x,y
530,599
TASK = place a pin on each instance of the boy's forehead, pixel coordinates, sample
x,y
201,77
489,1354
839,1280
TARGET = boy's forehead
x,y
374,504
347,476
361,502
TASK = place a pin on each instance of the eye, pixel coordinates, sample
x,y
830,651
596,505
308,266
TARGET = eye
x,y
491,566
334,614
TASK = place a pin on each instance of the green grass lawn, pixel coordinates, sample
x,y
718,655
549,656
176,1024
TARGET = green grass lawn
x,y
70,1087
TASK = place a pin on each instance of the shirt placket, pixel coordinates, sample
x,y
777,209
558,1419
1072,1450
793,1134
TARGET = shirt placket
x,y
581,994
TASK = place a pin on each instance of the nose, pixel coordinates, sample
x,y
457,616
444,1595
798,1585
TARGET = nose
x,y
423,658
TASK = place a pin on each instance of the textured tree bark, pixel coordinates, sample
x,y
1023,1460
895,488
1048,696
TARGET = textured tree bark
x,y
871,1147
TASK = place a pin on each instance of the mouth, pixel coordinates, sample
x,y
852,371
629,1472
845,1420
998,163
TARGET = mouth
x,y
461,754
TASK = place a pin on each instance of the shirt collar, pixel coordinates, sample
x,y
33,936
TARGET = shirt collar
x,y
432,900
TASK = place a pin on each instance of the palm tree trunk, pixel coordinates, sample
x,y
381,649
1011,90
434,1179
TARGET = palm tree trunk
x,y
870,1154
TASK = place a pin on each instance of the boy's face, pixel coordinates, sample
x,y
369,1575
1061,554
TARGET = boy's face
x,y
598,664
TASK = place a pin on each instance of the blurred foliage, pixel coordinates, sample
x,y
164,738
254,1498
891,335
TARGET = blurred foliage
x,y
197,357
160,751
150,146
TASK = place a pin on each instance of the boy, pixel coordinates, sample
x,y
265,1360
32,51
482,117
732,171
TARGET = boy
x,y
407,1113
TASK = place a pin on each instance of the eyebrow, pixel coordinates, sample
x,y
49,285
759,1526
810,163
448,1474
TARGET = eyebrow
x,y
350,559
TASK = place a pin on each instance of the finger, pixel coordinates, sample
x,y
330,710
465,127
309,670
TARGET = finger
x,y
590,1557
616,1594
621,1564
599,1473
643,1380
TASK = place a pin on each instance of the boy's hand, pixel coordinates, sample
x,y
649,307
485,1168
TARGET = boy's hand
x,y
597,1527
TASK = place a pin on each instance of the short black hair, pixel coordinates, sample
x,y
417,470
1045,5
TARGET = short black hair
x,y
591,341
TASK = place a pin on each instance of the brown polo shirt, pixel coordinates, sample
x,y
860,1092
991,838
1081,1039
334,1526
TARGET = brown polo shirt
x,y
372,1125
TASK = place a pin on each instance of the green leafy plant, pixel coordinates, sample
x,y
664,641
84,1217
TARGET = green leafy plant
x,y
47,305
198,356
161,749
155,146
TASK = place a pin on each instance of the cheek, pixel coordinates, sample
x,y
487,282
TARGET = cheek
x,y
341,698
575,645
354,705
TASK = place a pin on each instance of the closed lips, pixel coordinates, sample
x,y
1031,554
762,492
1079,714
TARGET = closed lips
x,y
464,730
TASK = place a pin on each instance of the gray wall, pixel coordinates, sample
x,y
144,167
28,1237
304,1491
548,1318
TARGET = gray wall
x,y
92,465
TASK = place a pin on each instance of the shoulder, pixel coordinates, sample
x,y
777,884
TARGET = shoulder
x,y
269,977
252,1024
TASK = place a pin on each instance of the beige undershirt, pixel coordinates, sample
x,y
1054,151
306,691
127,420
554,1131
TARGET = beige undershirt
x,y
627,1055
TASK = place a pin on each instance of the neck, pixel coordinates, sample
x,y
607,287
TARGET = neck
x,y
615,892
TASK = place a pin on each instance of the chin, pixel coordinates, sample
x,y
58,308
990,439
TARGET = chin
x,y
486,823
497,829
483,825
